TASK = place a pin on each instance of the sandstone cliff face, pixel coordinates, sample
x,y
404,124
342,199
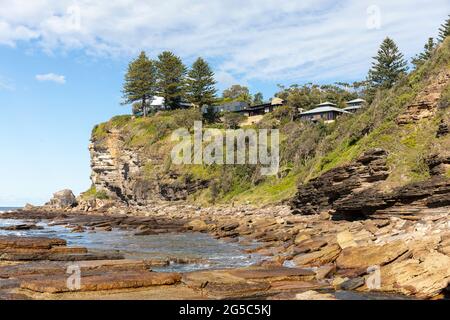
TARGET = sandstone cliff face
x,y
119,170
356,191
321,193
427,102
114,167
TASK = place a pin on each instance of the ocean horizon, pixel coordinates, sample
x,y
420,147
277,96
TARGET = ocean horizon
x,y
6,208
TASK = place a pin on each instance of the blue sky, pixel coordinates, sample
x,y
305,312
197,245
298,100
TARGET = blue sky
x,y
62,64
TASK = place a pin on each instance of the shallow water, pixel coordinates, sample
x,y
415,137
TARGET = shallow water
x,y
214,254
6,209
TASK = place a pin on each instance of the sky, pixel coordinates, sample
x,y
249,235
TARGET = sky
x,y
62,64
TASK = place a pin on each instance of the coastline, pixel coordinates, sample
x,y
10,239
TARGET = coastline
x,y
308,257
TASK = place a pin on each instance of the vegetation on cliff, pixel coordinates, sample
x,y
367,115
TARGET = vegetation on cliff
x,y
308,150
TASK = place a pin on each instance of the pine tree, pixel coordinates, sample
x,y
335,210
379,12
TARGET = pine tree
x,y
388,66
200,84
171,79
424,56
444,30
140,82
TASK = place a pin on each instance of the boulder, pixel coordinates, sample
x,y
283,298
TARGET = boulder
x,y
197,225
62,199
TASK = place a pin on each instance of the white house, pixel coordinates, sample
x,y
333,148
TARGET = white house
x,y
327,111
354,105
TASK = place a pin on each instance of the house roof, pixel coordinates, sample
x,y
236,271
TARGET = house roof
x,y
326,103
353,108
359,100
276,101
323,109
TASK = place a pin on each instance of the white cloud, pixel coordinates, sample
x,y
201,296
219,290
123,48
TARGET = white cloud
x,y
6,84
271,40
51,77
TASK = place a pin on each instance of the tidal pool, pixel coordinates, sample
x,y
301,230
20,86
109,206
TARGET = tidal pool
x,y
209,252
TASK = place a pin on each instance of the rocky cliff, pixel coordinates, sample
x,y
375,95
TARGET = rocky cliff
x,y
362,164
134,174
408,171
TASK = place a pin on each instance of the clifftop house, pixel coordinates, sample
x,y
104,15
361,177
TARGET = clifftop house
x,y
244,108
235,106
158,103
327,111
263,108
355,105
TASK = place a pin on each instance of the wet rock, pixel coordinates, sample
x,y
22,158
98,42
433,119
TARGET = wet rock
x,y
29,242
197,225
77,229
50,256
42,268
8,295
21,227
104,281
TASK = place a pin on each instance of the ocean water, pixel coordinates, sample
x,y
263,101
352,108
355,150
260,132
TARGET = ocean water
x,y
208,253
5,209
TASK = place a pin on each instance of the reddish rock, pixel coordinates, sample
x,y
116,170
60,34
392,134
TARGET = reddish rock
x,y
29,242
104,281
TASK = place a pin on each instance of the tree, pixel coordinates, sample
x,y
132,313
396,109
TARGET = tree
x,y
211,115
140,82
388,67
424,56
231,120
200,84
237,93
171,79
258,98
444,30
309,95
